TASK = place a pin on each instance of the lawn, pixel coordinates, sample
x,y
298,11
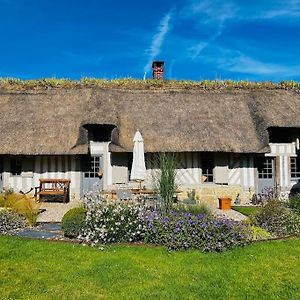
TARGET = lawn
x,y
247,210
31,269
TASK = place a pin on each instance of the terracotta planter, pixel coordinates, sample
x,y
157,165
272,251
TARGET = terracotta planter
x,y
224,203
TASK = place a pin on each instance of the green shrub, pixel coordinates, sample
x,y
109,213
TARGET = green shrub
x,y
73,222
260,234
114,222
278,219
9,221
294,204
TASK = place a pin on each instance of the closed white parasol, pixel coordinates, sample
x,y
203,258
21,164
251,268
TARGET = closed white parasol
x,y
138,170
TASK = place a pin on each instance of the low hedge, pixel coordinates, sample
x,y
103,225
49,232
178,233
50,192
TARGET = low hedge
x,y
73,222
278,219
294,204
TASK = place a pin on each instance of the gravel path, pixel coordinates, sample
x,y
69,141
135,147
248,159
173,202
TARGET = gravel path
x,y
229,214
54,211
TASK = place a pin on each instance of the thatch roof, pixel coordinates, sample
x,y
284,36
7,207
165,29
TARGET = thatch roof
x,y
53,121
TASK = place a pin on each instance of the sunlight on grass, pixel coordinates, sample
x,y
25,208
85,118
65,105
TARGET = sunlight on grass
x,y
247,210
31,269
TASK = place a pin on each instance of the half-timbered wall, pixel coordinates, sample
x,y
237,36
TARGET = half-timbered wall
x,y
229,169
283,152
36,167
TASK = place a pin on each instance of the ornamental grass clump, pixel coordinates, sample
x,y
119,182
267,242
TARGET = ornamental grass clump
x,y
113,223
278,219
21,204
184,230
164,178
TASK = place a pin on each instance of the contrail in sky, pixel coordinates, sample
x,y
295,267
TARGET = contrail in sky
x,y
158,39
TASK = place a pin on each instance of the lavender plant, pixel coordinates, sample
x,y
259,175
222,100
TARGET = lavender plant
x,y
184,230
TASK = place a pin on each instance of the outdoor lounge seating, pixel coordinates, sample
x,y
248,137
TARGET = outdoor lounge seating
x,y
56,189
124,194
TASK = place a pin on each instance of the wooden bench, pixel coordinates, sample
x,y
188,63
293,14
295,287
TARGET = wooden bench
x,y
53,187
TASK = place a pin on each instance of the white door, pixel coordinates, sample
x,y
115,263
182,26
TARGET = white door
x,y
92,167
265,175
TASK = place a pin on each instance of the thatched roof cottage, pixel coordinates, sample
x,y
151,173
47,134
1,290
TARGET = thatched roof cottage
x,y
230,140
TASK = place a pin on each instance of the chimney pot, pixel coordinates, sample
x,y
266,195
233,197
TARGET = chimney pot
x,y
158,69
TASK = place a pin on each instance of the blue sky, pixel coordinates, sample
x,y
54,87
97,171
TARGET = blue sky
x,y
198,39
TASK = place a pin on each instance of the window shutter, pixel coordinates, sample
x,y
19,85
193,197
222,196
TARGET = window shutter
x,y
221,174
221,171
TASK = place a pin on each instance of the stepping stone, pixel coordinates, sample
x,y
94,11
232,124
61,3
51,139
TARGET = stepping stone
x,y
36,234
52,227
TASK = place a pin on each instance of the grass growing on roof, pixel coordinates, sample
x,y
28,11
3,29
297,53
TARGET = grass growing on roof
x,y
31,269
131,83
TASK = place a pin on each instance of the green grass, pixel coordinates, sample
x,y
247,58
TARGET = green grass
x,y
32,269
247,210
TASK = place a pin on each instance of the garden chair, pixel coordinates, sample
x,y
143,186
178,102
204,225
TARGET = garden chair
x,y
124,194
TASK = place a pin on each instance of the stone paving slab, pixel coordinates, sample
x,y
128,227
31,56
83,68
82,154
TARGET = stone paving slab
x,y
43,231
36,234
54,227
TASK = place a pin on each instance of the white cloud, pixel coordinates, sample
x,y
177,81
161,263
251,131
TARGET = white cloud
x,y
210,18
196,49
237,62
287,8
210,11
249,65
218,11
158,39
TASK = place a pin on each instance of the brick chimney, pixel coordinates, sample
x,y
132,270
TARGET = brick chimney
x,y
158,69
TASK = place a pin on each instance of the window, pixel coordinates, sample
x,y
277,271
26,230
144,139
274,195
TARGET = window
x,y
92,167
283,134
99,132
15,166
207,164
264,167
295,168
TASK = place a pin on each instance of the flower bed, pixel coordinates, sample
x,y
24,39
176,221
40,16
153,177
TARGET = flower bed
x,y
119,222
184,230
114,222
